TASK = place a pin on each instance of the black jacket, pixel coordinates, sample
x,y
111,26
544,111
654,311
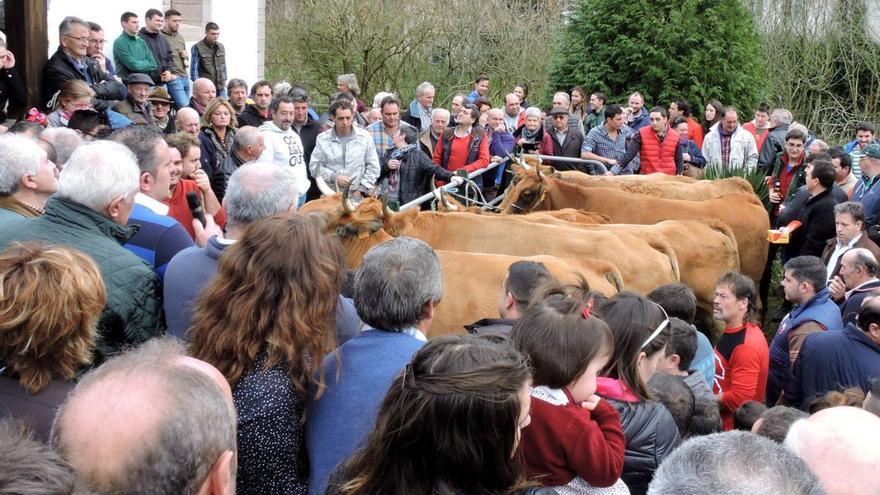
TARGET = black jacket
x,y
415,173
59,69
161,50
308,134
12,90
651,434
817,226
252,117
773,145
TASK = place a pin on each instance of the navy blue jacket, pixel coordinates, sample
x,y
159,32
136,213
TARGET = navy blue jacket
x,y
820,309
849,309
832,360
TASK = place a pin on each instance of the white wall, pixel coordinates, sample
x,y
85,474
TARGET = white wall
x,y
238,33
237,21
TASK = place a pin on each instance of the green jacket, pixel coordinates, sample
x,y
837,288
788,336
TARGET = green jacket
x,y
594,120
133,313
131,54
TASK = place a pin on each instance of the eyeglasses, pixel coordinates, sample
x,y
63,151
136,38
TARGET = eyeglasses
x,y
560,116
95,41
81,39
659,329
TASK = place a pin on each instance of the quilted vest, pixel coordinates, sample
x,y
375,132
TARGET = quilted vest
x,y
212,63
819,309
656,156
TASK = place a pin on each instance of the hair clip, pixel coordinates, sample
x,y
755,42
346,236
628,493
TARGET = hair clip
x,y
587,310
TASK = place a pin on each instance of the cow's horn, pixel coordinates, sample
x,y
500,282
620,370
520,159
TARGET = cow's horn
x,y
449,206
538,170
323,187
386,211
347,206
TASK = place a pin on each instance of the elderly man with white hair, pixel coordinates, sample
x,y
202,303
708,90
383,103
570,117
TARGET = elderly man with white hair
x,y
428,138
419,113
27,178
842,446
203,92
95,198
187,120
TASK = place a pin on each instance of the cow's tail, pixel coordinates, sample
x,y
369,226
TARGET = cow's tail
x,y
719,226
613,277
666,249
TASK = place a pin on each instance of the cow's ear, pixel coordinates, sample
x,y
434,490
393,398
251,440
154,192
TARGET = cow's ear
x,y
399,222
517,169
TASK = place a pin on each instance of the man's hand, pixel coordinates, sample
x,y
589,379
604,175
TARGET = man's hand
x,y
591,403
204,234
202,180
10,60
495,159
99,57
456,180
342,180
837,288
609,173
611,161
393,164
775,197
686,157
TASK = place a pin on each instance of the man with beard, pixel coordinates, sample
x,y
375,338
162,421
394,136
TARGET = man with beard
x,y
283,145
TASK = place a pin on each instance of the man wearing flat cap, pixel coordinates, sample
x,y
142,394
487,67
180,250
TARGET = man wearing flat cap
x,y
161,101
136,106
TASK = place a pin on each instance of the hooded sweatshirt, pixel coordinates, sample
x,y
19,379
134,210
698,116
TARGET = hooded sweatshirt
x,y
285,148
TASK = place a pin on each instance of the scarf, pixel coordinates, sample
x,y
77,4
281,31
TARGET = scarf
x,y
398,154
531,136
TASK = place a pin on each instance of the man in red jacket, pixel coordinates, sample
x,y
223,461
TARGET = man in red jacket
x,y
657,147
742,357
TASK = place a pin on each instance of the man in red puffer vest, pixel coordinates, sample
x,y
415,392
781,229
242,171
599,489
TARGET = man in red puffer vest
x,y
657,147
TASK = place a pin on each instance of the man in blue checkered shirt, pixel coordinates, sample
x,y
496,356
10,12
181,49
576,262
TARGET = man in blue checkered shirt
x,y
383,130
606,144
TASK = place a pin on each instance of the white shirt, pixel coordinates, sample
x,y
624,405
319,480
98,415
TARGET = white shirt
x,y
411,331
839,249
157,207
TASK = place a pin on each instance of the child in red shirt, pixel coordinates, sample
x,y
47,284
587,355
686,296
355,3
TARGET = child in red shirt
x,y
574,442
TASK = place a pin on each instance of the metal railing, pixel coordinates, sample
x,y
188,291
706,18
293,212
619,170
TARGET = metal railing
x,y
498,199
429,196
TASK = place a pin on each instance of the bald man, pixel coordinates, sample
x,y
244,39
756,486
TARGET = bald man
x,y
187,120
842,447
203,92
150,420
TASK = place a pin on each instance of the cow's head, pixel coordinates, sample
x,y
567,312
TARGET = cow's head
x,y
358,227
527,194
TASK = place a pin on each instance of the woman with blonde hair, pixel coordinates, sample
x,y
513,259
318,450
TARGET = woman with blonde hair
x,y
266,322
50,300
218,130
74,95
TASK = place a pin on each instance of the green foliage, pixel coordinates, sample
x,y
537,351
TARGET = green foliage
x,y
665,49
393,46
755,177
824,63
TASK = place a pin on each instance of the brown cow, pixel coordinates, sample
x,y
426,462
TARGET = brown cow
x,y
644,263
467,296
747,220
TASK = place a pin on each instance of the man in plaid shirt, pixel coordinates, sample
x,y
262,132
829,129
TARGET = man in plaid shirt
x,y
383,131
606,144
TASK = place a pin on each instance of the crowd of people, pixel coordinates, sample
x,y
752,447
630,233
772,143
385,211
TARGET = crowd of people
x,y
169,324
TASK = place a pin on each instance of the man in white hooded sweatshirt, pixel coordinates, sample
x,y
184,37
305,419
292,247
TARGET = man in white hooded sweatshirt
x,y
283,146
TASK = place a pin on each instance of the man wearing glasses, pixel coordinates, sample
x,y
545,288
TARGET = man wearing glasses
x,y
96,48
742,357
71,61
